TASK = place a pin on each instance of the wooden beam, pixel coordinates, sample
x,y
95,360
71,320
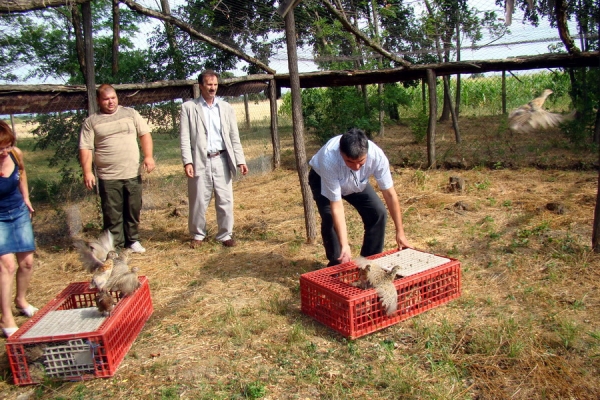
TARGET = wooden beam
x,y
19,6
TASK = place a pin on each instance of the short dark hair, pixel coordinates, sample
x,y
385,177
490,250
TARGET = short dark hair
x,y
354,143
103,88
205,73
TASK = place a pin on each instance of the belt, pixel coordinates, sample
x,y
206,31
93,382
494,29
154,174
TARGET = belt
x,y
216,153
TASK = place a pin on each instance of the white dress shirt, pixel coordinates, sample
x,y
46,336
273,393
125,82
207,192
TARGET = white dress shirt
x,y
338,180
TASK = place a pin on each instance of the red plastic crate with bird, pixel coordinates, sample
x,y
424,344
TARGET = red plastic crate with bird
x,y
71,339
366,295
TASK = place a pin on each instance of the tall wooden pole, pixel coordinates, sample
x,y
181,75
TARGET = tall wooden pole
x,y
86,13
298,126
274,130
503,92
431,82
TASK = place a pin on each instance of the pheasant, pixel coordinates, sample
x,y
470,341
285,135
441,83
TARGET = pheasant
x,y
383,282
105,302
532,116
94,253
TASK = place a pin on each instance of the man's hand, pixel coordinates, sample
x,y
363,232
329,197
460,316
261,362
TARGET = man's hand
x,y
345,254
189,170
243,169
149,164
402,241
89,180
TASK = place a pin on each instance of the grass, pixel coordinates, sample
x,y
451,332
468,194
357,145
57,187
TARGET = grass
x,y
227,322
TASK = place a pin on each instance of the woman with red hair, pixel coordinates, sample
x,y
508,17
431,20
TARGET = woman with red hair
x,y
16,232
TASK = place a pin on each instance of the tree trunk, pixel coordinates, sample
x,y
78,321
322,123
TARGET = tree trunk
x,y
298,127
452,110
457,101
116,37
274,129
560,9
90,82
170,32
596,227
431,82
79,41
597,127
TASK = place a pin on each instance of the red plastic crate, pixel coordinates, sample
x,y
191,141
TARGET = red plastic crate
x,y
78,356
328,296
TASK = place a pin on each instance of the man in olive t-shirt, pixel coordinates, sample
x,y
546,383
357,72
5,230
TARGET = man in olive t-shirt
x,y
109,138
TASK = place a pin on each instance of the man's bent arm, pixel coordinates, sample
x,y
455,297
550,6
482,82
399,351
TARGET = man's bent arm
x,y
391,200
339,224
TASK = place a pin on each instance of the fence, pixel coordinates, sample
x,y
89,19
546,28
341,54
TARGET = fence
x,y
485,138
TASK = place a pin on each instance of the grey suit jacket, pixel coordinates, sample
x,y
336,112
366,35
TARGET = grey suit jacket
x,y
193,136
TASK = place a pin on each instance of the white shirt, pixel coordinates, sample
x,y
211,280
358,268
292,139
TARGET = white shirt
x,y
214,141
338,180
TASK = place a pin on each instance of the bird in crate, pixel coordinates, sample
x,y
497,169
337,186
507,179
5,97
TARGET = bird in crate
x,y
372,275
125,282
98,258
532,116
105,302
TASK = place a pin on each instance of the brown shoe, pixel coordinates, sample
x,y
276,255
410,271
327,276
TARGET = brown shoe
x,y
228,243
196,243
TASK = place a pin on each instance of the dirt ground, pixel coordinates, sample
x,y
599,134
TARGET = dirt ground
x,y
226,321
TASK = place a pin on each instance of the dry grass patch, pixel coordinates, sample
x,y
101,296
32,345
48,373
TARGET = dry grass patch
x,y
227,322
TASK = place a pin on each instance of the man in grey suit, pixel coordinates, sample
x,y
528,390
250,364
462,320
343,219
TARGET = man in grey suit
x,y
210,151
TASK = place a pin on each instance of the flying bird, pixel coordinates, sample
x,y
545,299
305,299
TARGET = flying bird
x,y
383,282
102,274
532,116
122,278
94,253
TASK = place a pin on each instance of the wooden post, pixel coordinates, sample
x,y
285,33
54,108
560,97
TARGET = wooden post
x,y
247,110
12,124
431,82
596,226
503,92
423,96
274,130
196,90
86,11
298,128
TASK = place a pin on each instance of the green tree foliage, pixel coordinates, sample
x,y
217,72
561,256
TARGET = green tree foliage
x,y
328,112
41,45
250,26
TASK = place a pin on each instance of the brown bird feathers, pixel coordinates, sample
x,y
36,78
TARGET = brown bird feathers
x,y
110,271
105,302
532,116
373,275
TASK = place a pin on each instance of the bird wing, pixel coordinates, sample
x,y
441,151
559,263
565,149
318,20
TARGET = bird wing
x,y
102,274
126,283
101,246
90,262
389,297
362,262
